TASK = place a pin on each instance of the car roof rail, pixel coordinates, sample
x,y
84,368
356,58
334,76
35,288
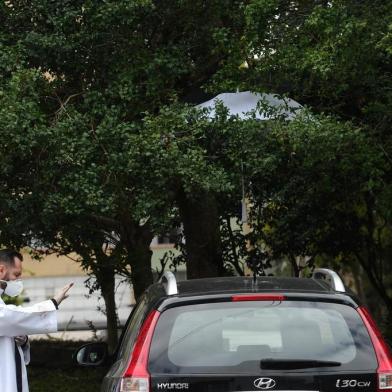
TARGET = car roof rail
x,y
330,277
169,283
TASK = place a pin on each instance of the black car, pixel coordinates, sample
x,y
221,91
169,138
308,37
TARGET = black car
x,y
244,334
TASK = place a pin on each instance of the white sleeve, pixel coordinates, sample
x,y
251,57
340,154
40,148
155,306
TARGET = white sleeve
x,y
30,320
26,352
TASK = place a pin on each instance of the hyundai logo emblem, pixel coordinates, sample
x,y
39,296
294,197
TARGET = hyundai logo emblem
x,y
264,383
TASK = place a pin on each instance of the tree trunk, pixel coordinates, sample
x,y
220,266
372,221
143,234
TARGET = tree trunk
x,y
372,261
107,283
141,272
137,240
294,266
103,267
359,285
368,265
199,215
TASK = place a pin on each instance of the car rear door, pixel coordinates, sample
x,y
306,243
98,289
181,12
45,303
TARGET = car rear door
x,y
277,344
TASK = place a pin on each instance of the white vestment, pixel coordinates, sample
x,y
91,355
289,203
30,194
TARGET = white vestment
x,y
18,321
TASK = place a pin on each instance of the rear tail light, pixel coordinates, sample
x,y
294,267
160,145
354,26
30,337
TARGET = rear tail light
x,y
385,381
383,353
134,384
136,377
258,297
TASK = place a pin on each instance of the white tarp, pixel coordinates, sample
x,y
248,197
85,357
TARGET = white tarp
x,y
243,103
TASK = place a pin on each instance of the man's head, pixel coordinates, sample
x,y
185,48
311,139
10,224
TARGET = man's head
x,y
10,264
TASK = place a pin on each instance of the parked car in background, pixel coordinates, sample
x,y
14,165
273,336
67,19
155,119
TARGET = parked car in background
x,y
244,334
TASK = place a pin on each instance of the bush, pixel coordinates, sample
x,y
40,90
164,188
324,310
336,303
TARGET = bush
x,y
64,380
52,368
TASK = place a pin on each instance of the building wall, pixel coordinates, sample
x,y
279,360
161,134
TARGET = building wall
x,y
53,265
81,313
81,310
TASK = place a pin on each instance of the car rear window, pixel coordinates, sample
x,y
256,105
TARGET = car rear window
x,y
234,337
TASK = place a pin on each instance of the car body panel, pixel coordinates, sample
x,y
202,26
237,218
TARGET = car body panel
x,y
178,370
295,381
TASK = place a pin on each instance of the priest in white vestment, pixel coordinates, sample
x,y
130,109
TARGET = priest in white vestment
x,y
17,322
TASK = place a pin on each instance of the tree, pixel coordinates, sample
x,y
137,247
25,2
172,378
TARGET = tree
x,y
334,57
193,151
318,190
109,63
98,105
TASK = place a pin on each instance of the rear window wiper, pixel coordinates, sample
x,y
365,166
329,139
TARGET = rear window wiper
x,y
273,363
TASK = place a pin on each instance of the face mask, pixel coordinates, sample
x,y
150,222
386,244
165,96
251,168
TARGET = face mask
x,y
13,288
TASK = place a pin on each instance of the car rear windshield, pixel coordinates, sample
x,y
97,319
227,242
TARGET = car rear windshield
x,y
236,337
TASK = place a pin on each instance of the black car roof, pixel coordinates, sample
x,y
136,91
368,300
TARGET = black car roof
x,y
242,284
212,289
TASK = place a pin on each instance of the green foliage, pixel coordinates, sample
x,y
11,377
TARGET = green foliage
x,y
100,141
12,300
319,191
313,181
334,183
331,55
84,159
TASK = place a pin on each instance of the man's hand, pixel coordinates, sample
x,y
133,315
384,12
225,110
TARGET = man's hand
x,y
62,294
21,340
